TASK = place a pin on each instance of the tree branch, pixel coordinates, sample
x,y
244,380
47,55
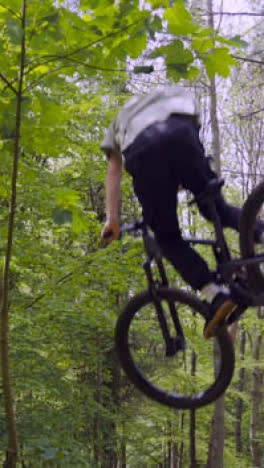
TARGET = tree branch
x,y
37,80
226,13
71,64
259,62
11,11
52,58
59,281
9,85
244,116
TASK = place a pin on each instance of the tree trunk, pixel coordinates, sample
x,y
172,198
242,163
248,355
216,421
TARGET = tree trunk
x,y
256,397
12,449
172,447
216,442
169,443
192,455
192,449
173,455
181,447
213,104
240,387
123,450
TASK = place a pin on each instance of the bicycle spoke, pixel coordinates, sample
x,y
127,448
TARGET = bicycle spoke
x,y
189,371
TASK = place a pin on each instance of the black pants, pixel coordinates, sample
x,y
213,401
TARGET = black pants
x,y
165,155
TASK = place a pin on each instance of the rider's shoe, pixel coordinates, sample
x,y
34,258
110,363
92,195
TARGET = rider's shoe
x,y
220,308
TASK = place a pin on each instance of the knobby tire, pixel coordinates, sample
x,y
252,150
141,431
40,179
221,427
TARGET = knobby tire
x,y
248,218
176,400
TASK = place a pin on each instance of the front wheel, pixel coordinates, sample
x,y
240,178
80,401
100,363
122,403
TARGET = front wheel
x,y
252,211
186,380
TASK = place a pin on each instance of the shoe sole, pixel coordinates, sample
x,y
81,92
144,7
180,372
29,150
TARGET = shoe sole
x,y
219,317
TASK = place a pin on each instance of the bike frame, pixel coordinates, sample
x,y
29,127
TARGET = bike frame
x,y
229,271
176,343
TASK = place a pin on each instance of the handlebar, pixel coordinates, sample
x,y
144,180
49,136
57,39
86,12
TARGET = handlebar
x,y
136,226
128,227
139,225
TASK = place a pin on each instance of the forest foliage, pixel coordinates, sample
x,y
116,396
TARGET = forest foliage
x,y
63,73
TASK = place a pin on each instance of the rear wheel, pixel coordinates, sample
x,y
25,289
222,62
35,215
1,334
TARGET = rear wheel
x,y
253,209
186,380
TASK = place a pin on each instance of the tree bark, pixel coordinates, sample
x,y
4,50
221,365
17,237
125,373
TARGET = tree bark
x,y
256,397
192,449
192,454
12,449
172,447
123,447
216,440
240,387
215,457
216,150
181,447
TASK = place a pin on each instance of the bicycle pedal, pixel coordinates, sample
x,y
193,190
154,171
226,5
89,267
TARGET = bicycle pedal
x,y
215,329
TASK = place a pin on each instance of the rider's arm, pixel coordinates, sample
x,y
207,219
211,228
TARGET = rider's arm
x,y
111,228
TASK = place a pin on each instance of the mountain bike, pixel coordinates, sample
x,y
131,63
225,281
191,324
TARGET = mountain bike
x,y
158,335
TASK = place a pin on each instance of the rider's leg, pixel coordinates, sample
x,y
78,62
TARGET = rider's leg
x,y
196,173
156,188
160,159
229,214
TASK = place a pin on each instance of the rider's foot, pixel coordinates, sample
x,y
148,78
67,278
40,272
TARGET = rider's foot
x,y
220,308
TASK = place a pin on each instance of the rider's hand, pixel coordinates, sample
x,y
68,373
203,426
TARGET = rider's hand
x,y
110,231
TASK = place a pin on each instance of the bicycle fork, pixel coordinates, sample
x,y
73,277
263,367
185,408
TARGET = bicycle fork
x,y
173,343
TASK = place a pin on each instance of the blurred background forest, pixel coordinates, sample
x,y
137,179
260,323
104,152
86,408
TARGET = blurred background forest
x,y
65,70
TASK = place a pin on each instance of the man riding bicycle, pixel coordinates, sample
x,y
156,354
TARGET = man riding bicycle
x,y
157,137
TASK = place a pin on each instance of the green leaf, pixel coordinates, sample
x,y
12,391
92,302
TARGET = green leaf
x,y
15,31
50,112
51,19
179,19
176,71
192,73
176,53
202,45
158,4
78,224
218,61
159,52
59,455
41,69
153,26
236,40
61,217
135,44
206,32
66,198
